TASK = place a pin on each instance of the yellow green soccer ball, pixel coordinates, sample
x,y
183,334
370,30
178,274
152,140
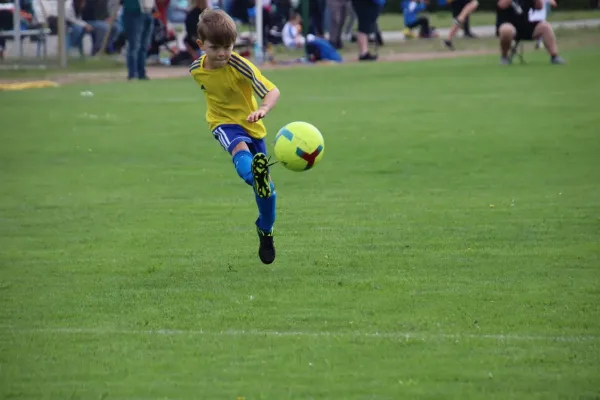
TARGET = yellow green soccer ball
x,y
299,146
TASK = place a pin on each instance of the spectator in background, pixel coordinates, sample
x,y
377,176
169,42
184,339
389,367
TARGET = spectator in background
x,y
319,49
98,14
77,26
137,23
411,10
191,28
349,23
238,10
337,16
461,9
541,15
291,34
367,12
512,23
316,12
177,11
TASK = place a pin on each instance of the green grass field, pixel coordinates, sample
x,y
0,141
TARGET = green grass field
x,y
447,247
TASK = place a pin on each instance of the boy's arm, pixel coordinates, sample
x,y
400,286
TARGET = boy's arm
x,y
269,101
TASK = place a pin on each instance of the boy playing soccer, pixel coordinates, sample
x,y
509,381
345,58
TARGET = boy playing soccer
x,y
228,80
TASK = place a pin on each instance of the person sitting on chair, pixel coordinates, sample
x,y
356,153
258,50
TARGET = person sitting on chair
x,y
76,25
541,15
512,23
411,10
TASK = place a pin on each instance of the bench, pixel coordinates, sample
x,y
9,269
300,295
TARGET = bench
x,y
35,32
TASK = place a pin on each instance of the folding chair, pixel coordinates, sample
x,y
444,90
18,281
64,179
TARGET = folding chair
x,y
517,49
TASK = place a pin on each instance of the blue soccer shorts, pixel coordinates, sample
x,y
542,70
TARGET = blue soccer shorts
x,y
230,135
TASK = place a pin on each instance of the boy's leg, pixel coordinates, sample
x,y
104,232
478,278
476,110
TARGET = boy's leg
x,y
251,163
266,199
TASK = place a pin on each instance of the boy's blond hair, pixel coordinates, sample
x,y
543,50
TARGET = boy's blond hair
x,y
217,27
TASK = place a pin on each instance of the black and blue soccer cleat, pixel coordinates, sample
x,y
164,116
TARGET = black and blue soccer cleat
x,y
266,250
260,172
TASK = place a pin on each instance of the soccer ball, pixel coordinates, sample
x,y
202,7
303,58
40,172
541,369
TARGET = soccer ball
x,y
299,146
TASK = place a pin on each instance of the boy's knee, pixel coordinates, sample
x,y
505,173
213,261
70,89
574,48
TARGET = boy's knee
x,y
242,160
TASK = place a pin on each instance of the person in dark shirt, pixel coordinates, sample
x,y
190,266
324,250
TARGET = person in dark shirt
x,y
191,26
512,23
461,10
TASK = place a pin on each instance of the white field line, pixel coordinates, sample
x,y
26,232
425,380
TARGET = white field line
x,y
367,335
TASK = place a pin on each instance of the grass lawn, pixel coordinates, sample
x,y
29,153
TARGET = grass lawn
x,y
446,246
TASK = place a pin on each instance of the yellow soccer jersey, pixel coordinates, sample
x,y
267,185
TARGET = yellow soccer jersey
x,y
228,92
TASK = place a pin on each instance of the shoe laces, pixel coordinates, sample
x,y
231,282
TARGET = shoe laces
x,y
269,163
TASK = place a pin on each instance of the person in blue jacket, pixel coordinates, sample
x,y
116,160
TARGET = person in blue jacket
x,y
411,10
321,50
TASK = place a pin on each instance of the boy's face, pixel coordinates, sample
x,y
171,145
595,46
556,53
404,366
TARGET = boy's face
x,y
218,55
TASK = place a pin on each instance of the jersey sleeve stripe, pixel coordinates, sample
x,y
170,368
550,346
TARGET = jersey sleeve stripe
x,y
259,88
247,75
195,65
260,92
245,66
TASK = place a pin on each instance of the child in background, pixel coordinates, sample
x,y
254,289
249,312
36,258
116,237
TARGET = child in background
x,y
411,10
291,34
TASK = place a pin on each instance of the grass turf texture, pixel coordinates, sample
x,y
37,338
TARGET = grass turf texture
x,y
122,216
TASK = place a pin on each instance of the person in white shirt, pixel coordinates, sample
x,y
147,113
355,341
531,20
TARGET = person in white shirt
x,y
77,26
291,35
541,15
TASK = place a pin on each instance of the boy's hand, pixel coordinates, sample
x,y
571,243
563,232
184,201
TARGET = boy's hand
x,y
256,115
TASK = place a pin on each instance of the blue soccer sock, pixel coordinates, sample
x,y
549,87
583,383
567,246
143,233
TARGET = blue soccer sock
x,y
243,165
266,211
242,160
